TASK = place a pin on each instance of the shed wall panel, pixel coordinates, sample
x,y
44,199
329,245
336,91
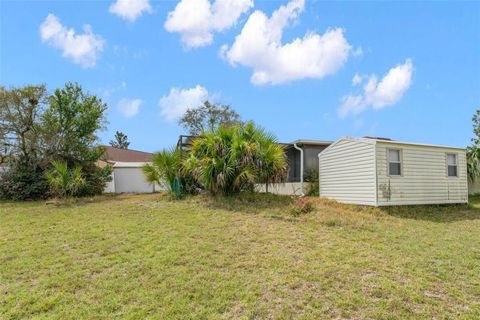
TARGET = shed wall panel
x,y
347,172
424,177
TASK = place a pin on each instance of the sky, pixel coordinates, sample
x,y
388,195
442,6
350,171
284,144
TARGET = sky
x,y
409,71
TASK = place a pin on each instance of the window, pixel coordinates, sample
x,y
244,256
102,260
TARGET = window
x,y
394,163
452,167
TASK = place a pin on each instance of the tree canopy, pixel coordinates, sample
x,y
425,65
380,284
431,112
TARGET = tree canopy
x,y
208,117
20,129
120,140
71,123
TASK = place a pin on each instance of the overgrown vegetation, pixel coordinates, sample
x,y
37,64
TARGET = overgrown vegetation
x,y
64,182
165,168
37,129
231,159
313,186
301,206
473,151
239,257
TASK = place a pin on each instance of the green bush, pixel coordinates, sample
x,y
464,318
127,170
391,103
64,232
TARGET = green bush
x,y
96,179
312,189
65,182
164,168
229,160
23,181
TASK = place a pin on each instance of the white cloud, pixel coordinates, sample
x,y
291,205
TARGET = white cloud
x,y
379,94
197,20
174,105
129,107
259,46
357,79
83,49
130,10
358,52
107,92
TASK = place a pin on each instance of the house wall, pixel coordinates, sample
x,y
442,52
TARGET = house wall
x,y
424,177
347,172
287,188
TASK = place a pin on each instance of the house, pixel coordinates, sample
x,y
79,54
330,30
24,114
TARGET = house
x,y
382,172
127,175
302,158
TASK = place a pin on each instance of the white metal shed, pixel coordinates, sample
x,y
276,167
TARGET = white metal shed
x,y
382,172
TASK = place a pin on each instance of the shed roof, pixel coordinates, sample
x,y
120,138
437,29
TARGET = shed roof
x,y
383,140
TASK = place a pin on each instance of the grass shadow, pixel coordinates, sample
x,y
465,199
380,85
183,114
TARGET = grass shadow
x,y
84,201
248,202
435,213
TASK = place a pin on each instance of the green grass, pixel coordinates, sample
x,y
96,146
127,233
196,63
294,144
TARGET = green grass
x,y
146,256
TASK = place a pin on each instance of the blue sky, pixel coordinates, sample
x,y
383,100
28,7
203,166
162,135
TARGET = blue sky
x,y
415,65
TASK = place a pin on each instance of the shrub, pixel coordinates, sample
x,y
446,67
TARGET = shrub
x,y
63,181
23,181
311,176
96,179
164,168
301,206
228,160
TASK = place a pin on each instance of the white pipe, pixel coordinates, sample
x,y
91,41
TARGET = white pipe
x,y
301,167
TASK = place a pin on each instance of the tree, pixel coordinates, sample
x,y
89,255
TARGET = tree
x,y
71,123
70,126
120,141
164,168
63,181
208,117
21,143
473,151
36,130
231,159
272,163
20,111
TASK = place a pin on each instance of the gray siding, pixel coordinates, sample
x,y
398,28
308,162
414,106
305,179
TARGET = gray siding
x,y
424,177
347,172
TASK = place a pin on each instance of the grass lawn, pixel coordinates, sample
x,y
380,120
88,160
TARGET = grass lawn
x,y
145,256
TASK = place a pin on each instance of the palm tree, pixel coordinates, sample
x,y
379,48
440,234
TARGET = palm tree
x,y
164,168
473,163
63,181
272,161
231,159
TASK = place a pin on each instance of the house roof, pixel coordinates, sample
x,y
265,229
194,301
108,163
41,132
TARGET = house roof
x,y
125,155
312,142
